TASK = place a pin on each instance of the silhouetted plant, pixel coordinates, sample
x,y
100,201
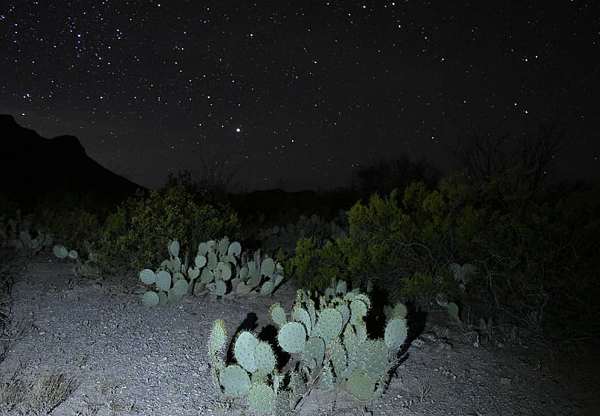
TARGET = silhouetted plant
x,y
516,163
383,176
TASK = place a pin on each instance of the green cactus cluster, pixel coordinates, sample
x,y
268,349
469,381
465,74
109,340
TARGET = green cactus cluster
x,y
284,238
219,267
17,233
87,267
327,338
462,275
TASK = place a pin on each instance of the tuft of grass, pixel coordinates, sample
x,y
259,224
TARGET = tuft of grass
x,y
11,393
37,398
47,393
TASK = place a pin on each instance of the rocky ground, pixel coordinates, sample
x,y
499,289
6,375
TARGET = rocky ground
x,y
79,346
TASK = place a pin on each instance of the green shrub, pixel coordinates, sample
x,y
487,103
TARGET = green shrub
x,y
138,233
421,286
529,252
75,228
388,241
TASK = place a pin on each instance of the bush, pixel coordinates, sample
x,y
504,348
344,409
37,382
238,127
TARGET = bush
x,y
138,233
530,253
75,228
389,240
317,268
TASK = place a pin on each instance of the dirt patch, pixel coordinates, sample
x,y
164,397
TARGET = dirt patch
x,y
93,342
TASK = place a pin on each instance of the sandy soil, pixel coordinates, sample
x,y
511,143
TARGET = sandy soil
x,y
80,346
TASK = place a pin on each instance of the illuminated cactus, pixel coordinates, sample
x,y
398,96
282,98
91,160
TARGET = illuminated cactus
x,y
329,345
219,267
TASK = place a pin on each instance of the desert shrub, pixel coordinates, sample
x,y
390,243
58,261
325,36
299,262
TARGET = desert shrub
x,y
317,268
75,228
136,235
541,252
420,285
388,240
531,254
64,199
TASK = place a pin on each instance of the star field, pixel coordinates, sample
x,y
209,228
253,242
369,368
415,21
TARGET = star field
x,y
297,93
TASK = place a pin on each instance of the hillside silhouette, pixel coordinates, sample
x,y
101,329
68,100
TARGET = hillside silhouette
x,y
32,167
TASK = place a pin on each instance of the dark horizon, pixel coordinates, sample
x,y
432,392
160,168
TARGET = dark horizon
x,y
64,150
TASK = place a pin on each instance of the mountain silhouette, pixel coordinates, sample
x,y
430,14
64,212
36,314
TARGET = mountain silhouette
x,y
32,166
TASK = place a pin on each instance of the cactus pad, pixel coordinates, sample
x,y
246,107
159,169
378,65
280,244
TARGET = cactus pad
x,y
292,337
218,336
264,358
395,334
358,310
223,270
203,248
162,298
147,276
338,357
180,287
341,287
400,310
193,272
267,288
200,261
212,260
243,350
223,246
206,276
267,267
452,310
375,359
163,280
360,385
330,323
150,298
220,288
235,249
262,398
60,251
278,314
314,352
299,314
235,380
176,264
174,248
345,311
326,379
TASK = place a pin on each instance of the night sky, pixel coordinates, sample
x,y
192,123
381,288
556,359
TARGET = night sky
x,y
298,93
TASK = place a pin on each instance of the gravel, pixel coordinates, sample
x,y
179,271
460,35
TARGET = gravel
x,y
111,355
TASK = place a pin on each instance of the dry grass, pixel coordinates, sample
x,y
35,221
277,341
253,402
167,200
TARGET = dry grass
x,y
36,398
18,397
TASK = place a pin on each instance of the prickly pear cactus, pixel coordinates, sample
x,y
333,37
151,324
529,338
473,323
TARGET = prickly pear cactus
x,y
219,268
17,233
82,267
328,344
285,238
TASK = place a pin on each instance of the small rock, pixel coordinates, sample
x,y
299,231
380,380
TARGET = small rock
x,y
417,343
